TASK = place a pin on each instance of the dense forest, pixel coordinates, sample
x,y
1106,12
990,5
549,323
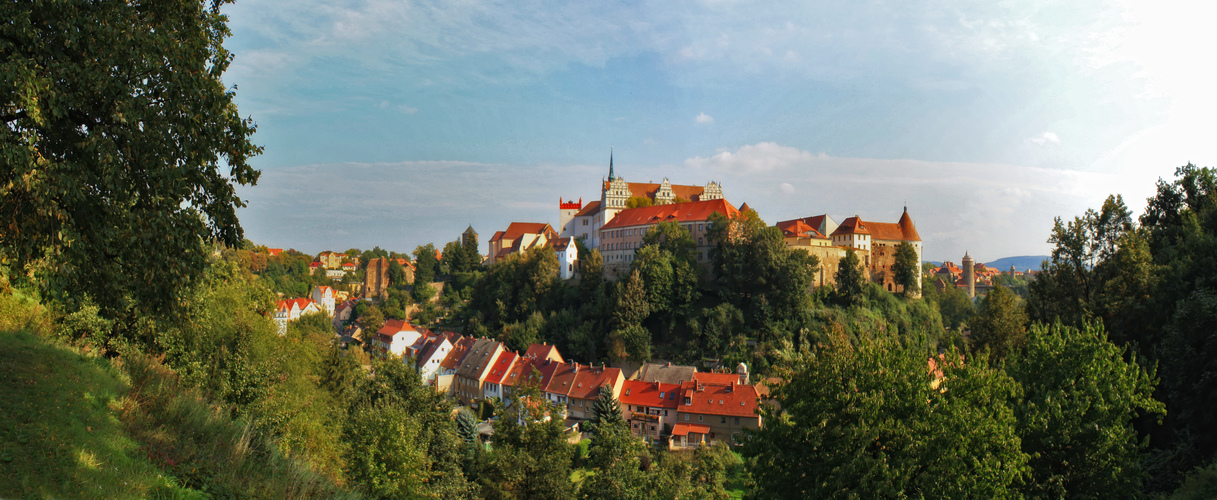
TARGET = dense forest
x,y
139,356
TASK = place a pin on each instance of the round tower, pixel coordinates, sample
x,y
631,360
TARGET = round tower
x,y
969,275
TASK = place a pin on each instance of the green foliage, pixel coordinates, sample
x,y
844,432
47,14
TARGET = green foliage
x,y
1001,326
426,266
117,123
629,340
906,270
531,458
757,272
371,321
1201,484
638,202
605,412
511,290
850,279
615,456
868,421
1075,417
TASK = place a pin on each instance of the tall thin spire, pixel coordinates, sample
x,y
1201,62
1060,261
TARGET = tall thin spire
x,y
611,176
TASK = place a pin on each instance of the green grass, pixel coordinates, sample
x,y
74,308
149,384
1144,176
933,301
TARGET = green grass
x,y
61,436
737,478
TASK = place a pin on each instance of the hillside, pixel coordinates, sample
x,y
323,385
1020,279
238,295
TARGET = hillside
x,y
1021,263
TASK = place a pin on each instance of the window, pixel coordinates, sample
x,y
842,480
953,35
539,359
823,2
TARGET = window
x,y
687,401
660,395
699,418
584,222
736,420
724,420
699,242
699,226
665,413
686,416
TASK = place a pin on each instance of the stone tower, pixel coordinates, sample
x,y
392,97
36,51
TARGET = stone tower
x,y
566,216
969,275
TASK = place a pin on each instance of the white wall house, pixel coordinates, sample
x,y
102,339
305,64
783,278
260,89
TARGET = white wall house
x,y
568,257
324,297
395,337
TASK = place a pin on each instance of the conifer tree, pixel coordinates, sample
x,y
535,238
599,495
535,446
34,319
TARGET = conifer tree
x,y
850,279
605,411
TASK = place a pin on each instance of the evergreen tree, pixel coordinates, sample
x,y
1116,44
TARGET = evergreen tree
x,y
1001,325
606,411
629,340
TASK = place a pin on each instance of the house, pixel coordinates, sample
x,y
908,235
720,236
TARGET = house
x,y
427,362
274,252
649,407
543,351
726,409
291,310
343,312
623,235
568,256
519,237
349,267
586,388
313,267
331,260
471,375
664,372
499,369
877,242
335,274
324,297
394,337
563,378
448,366
577,220
688,436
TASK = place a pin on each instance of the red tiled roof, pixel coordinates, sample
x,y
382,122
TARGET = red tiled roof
x,y
906,226
851,225
676,212
718,399
591,208
299,303
685,429
457,354
745,207
274,252
563,378
314,264
542,351
501,367
716,378
520,370
797,227
393,326
589,379
560,243
517,229
637,392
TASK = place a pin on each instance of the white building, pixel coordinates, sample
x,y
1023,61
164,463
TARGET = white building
x,y
568,256
395,337
292,310
324,297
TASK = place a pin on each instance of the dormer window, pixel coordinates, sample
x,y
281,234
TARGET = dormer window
x,y
661,395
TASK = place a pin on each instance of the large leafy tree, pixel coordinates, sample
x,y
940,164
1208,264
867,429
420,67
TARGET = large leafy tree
x,y
121,147
1075,417
907,270
850,280
875,420
756,271
1001,325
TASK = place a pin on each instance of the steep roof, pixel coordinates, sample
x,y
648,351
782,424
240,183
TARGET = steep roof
x,y
906,226
591,208
732,400
563,379
432,346
851,225
457,355
653,394
480,355
799,228
664,372
393,326
517,229
649,189
560,244
519,371
501,366
676,212
542,351
590,378
287,304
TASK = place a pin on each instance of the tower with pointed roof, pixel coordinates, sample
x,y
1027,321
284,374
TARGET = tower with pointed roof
x,y
876,244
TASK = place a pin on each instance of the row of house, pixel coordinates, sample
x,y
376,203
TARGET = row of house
x,y
321,300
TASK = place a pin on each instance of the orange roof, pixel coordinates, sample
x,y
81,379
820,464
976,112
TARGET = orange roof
x,y
851,225
542,351
560,243
718,399
745,207
563,378
517,229
716,378
589,380
899,231
648,190
637,392
274,252
457,354
797,227
591,208
393,326
299,303
685,429
501,367
677,212
520,370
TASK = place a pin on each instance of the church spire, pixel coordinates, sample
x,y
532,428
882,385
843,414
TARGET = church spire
x,y
611,176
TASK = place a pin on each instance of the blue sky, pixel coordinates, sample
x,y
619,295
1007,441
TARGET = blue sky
x,y
397,123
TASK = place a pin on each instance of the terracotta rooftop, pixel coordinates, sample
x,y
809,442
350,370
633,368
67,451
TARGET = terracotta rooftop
x,y
798,228
589,379
289,303
591,208
649,189
677,212
653,394
517,229
903,230
542,351
457,355
501,367
718,399
716,378
563,379
685,429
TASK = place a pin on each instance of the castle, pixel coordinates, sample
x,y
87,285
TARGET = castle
x,y
576,220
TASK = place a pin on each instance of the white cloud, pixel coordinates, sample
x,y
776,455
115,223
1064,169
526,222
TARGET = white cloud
x,y
1045,138
407,109
787,188
704,118
761,157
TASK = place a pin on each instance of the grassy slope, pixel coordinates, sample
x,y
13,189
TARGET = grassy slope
x,y
61,436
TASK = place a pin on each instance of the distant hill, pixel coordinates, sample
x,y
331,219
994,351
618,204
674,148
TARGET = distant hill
x,y
1022,263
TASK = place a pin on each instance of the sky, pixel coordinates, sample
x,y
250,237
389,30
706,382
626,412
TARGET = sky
x,y
397,123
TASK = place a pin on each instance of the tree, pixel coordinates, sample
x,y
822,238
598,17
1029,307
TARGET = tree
x,y
1001,325
757,272
531,458
873,421
850,280
615,456
1080,397
116,125
371,322
907,270
629,340
605,411
638,202
425,264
